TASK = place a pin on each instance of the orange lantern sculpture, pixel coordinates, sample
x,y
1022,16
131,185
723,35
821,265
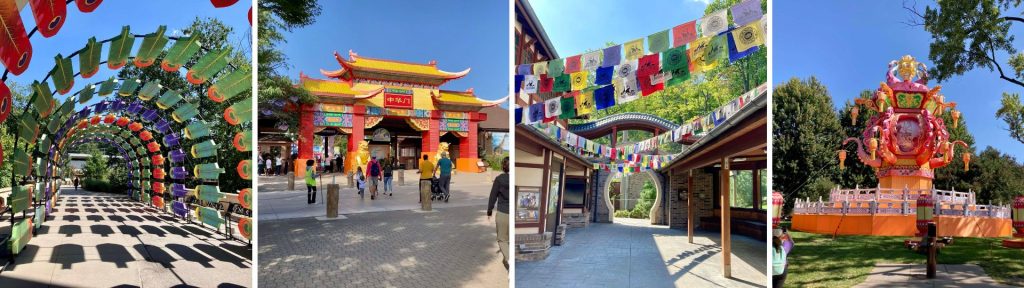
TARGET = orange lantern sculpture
x,y
910,135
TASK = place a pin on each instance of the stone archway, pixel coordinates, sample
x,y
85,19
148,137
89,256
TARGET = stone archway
x,y
603,209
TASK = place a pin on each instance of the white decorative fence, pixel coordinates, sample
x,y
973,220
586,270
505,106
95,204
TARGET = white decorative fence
x,y
886,201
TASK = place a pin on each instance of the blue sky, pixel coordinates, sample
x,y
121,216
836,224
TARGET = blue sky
x,y
458,34
106,21
848,44
575,26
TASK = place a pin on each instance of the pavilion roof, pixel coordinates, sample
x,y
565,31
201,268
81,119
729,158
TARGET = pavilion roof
x,y
462,98
358,67
321,87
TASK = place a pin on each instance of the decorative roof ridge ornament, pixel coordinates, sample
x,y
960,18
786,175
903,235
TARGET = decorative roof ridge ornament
x,y
912,75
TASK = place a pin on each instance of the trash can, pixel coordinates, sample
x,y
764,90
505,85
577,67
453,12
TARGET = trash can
x,y
332,200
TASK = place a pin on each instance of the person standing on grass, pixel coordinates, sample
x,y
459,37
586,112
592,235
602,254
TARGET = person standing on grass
x,y
389,170
444,167
310,182
778,262
499,198
426,173
373,174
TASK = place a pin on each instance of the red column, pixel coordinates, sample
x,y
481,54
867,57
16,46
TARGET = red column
x,y
468,149
305,139
431,136
358,125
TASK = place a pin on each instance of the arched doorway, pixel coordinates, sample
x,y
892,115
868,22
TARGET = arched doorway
x,y
650,206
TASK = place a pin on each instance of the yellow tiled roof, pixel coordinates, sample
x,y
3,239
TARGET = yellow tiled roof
x,y
332,87
462,98
357,62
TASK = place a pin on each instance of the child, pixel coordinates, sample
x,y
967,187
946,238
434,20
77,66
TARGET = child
x,y
360,181
310,182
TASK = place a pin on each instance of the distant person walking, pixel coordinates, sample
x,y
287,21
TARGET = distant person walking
x,y
444,167
373,173
426,174
310,182
360,182
260,162
389,170
76,183
499,198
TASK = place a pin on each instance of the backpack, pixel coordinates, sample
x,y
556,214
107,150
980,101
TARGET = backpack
x,y
374,168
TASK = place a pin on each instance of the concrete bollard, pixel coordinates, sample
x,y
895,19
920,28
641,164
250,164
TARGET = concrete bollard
x,y
291,181
351,180
401,177
425,201
332,200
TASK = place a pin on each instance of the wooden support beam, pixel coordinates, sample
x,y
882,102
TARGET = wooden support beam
x,y
726,231
689,206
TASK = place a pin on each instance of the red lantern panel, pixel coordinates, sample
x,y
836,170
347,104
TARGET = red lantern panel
x,y
15,49
49,15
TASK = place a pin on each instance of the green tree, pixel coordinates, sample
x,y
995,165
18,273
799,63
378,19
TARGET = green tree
x,y
276,16
1000,177
96,166
806,135
953,175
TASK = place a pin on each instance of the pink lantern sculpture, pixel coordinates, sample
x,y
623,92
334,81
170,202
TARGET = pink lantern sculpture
x,y
1018,216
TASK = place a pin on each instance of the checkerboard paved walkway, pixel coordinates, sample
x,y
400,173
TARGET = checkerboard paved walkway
x,y
107,240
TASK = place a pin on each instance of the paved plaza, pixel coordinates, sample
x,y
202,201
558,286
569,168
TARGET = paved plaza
x,y
913,275
451,247
632,253
277,202
107,240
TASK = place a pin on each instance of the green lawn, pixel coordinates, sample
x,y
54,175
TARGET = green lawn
x,y
819,261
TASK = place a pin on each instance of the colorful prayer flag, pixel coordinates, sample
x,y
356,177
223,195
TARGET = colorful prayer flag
x,y
519,82
519,115
626,69
677,64
540,68
585,103
612,56
706,51
747,36
552,107
634,49
556,67
568,107
735,55
746,12
524,69
563,83
649,65
530,84
646,86
684,33
572,64
625,90
658,42
604,97
714,23
591,61
604,75
579,80
545,84
536,111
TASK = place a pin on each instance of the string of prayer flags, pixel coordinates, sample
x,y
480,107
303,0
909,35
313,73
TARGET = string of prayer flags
x,y
746,12
684,33
612,56
714,23
657,42
634,49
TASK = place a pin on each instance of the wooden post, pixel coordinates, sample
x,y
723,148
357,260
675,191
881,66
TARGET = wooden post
x,y
689,206
726,231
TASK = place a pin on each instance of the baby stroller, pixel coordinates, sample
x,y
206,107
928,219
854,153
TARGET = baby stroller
x,y
436,193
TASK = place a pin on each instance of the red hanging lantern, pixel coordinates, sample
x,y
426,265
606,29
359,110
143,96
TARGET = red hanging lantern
x,y
223,3
5,101
49,15
15,49
87,6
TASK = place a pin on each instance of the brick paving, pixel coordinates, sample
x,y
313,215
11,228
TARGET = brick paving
x,y
107,240
631,253
452,247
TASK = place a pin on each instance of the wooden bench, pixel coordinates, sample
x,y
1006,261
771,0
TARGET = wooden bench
x,y
750,228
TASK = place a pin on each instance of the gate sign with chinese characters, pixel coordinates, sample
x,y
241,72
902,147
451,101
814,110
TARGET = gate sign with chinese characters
x,y
398,98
